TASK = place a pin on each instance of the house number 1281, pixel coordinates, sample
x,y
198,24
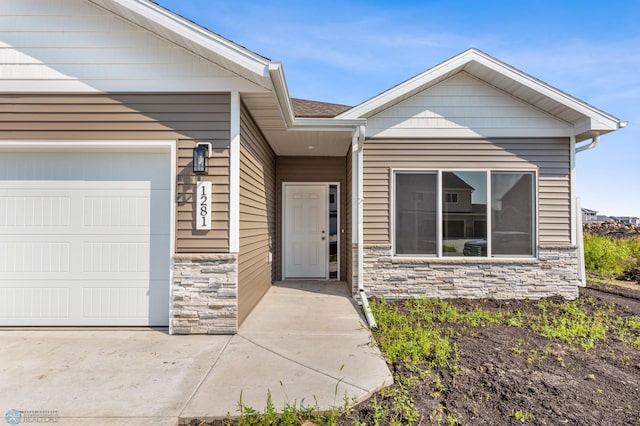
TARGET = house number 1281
x,y
202,206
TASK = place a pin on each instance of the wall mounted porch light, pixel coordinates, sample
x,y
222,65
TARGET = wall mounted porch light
x,y
201,153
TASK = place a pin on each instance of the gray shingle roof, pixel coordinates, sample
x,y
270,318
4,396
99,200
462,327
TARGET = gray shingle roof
x,y
313,109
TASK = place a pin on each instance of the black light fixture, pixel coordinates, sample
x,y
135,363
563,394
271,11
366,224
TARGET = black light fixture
x,y
201,153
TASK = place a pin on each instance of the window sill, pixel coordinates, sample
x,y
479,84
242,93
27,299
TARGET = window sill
x,y
459,260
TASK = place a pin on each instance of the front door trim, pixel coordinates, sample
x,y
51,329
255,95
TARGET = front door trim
x,y
327,226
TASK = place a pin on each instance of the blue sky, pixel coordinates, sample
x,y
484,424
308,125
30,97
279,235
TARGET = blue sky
x,y
349,51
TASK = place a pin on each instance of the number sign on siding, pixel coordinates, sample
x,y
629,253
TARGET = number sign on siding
x,y
203,205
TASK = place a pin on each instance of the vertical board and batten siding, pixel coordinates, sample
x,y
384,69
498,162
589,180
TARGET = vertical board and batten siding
x,y
549,156
180,117
460,107
257,215
310,169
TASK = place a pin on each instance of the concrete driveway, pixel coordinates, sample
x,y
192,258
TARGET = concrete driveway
x,y
304,341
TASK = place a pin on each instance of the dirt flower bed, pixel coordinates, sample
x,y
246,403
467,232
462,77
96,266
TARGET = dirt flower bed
x,y
548,362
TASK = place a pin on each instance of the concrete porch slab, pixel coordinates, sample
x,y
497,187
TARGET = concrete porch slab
x,y
305,342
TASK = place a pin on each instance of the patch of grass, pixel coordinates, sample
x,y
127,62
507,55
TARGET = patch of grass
x,y
521,416
410,336
571,323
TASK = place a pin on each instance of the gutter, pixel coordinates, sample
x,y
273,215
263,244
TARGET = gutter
x,y
593,144
596,139
359,139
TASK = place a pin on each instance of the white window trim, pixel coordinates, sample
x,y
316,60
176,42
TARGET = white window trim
x,y
439,227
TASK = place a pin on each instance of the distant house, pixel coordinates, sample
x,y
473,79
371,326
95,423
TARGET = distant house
x,y
589,216
629,220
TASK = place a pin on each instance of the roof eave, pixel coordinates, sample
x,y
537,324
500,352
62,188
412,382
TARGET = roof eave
x,y
605,122
292,122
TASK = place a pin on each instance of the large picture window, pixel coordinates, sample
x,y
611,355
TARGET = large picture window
x,y
493,213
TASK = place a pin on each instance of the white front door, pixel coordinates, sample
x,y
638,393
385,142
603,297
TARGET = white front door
x,y
305,231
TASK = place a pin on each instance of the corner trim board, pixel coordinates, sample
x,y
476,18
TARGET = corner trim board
x,y
234,174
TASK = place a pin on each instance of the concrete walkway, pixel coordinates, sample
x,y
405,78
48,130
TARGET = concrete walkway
x,y
304,342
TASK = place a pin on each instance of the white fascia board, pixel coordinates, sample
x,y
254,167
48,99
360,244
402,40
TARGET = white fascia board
x,y
327,124
422,81
294,123
546,90
147,10
281,91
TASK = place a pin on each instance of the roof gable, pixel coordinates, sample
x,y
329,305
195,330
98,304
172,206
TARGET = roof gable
x,y
587,120
464,106
192,37
76,46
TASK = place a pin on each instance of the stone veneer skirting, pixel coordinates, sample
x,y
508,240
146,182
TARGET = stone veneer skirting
x,y
204,298
553,273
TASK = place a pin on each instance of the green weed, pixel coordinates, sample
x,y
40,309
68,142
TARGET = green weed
x,y
570,323
610,257
521,416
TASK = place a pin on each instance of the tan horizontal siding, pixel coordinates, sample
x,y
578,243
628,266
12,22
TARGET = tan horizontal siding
x,y
132,116
257,215
310,169
549,156
123,116
189,240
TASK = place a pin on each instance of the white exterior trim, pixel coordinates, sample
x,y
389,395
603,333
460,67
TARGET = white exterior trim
x,y
440,214
572,188
84,144
234,175
354,187
360,210
172,231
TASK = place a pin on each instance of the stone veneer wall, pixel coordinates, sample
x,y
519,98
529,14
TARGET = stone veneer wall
x,y
204,298
553,273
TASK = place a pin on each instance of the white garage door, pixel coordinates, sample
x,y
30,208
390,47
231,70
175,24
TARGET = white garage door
x,y
84,238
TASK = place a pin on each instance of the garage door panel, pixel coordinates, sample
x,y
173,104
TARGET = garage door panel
x,y
104,256
107,301
20,210
20,257
94,166
20,305
82,251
